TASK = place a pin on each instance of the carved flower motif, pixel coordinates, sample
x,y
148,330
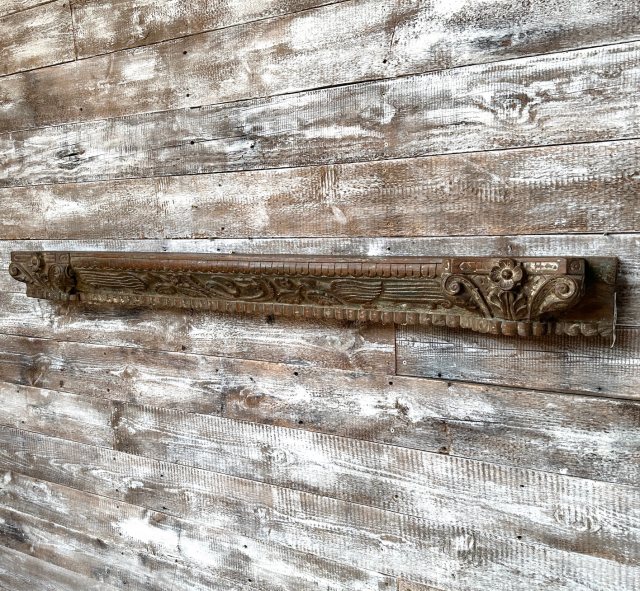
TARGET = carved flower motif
x,y
507,274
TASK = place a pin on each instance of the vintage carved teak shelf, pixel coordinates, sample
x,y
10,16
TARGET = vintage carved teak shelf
x,y
499,295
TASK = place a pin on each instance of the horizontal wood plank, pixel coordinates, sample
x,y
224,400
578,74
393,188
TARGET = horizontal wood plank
x,y
36,38
559,189
152,550
409,586
418,549
341,345
512,104
114,25
84,419
124,373
589,437
342,43
22,572
12,6
575,364
417,33
626,247
407,481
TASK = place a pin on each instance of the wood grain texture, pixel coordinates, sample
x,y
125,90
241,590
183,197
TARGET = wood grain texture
x,y
387,477
517,103
342,345
337,44
21,572
417,33
413,548
623,246
556,363
105,27
574,186
36,38
409,586
79,418
12,6
154,451
130,374
589,437
152,550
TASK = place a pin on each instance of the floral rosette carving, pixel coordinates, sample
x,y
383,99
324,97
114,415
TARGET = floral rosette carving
x,y
506,291
507,274
505,296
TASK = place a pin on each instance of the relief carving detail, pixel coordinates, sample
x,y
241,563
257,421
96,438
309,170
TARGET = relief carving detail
x,y
511,296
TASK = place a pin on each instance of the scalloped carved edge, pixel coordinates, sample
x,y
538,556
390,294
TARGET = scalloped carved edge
x,y
512,296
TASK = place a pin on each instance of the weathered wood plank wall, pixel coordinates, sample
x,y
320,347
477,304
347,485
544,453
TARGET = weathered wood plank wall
x,y
150,450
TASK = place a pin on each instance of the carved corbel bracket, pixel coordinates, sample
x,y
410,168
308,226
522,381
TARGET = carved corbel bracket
x,y
510,296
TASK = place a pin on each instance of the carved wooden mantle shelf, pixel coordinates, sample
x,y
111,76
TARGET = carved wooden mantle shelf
x,y
510,296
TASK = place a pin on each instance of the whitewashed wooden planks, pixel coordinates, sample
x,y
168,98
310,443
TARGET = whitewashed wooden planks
x,y
415,31
338,44
561,189
21,572
12,6
112,25
315,343
35,38
517,103
558,363
465,522
106,539
419,550
588,437
446,492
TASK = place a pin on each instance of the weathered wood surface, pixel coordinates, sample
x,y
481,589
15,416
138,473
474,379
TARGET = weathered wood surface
x,y
547,363
337,44
149,549
576,364
501,501
12,6
511,104
624,246
21,572
589,437
418,550
305,448
410,586
35,38
342,345
416,33
415,197
113,25
83,419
